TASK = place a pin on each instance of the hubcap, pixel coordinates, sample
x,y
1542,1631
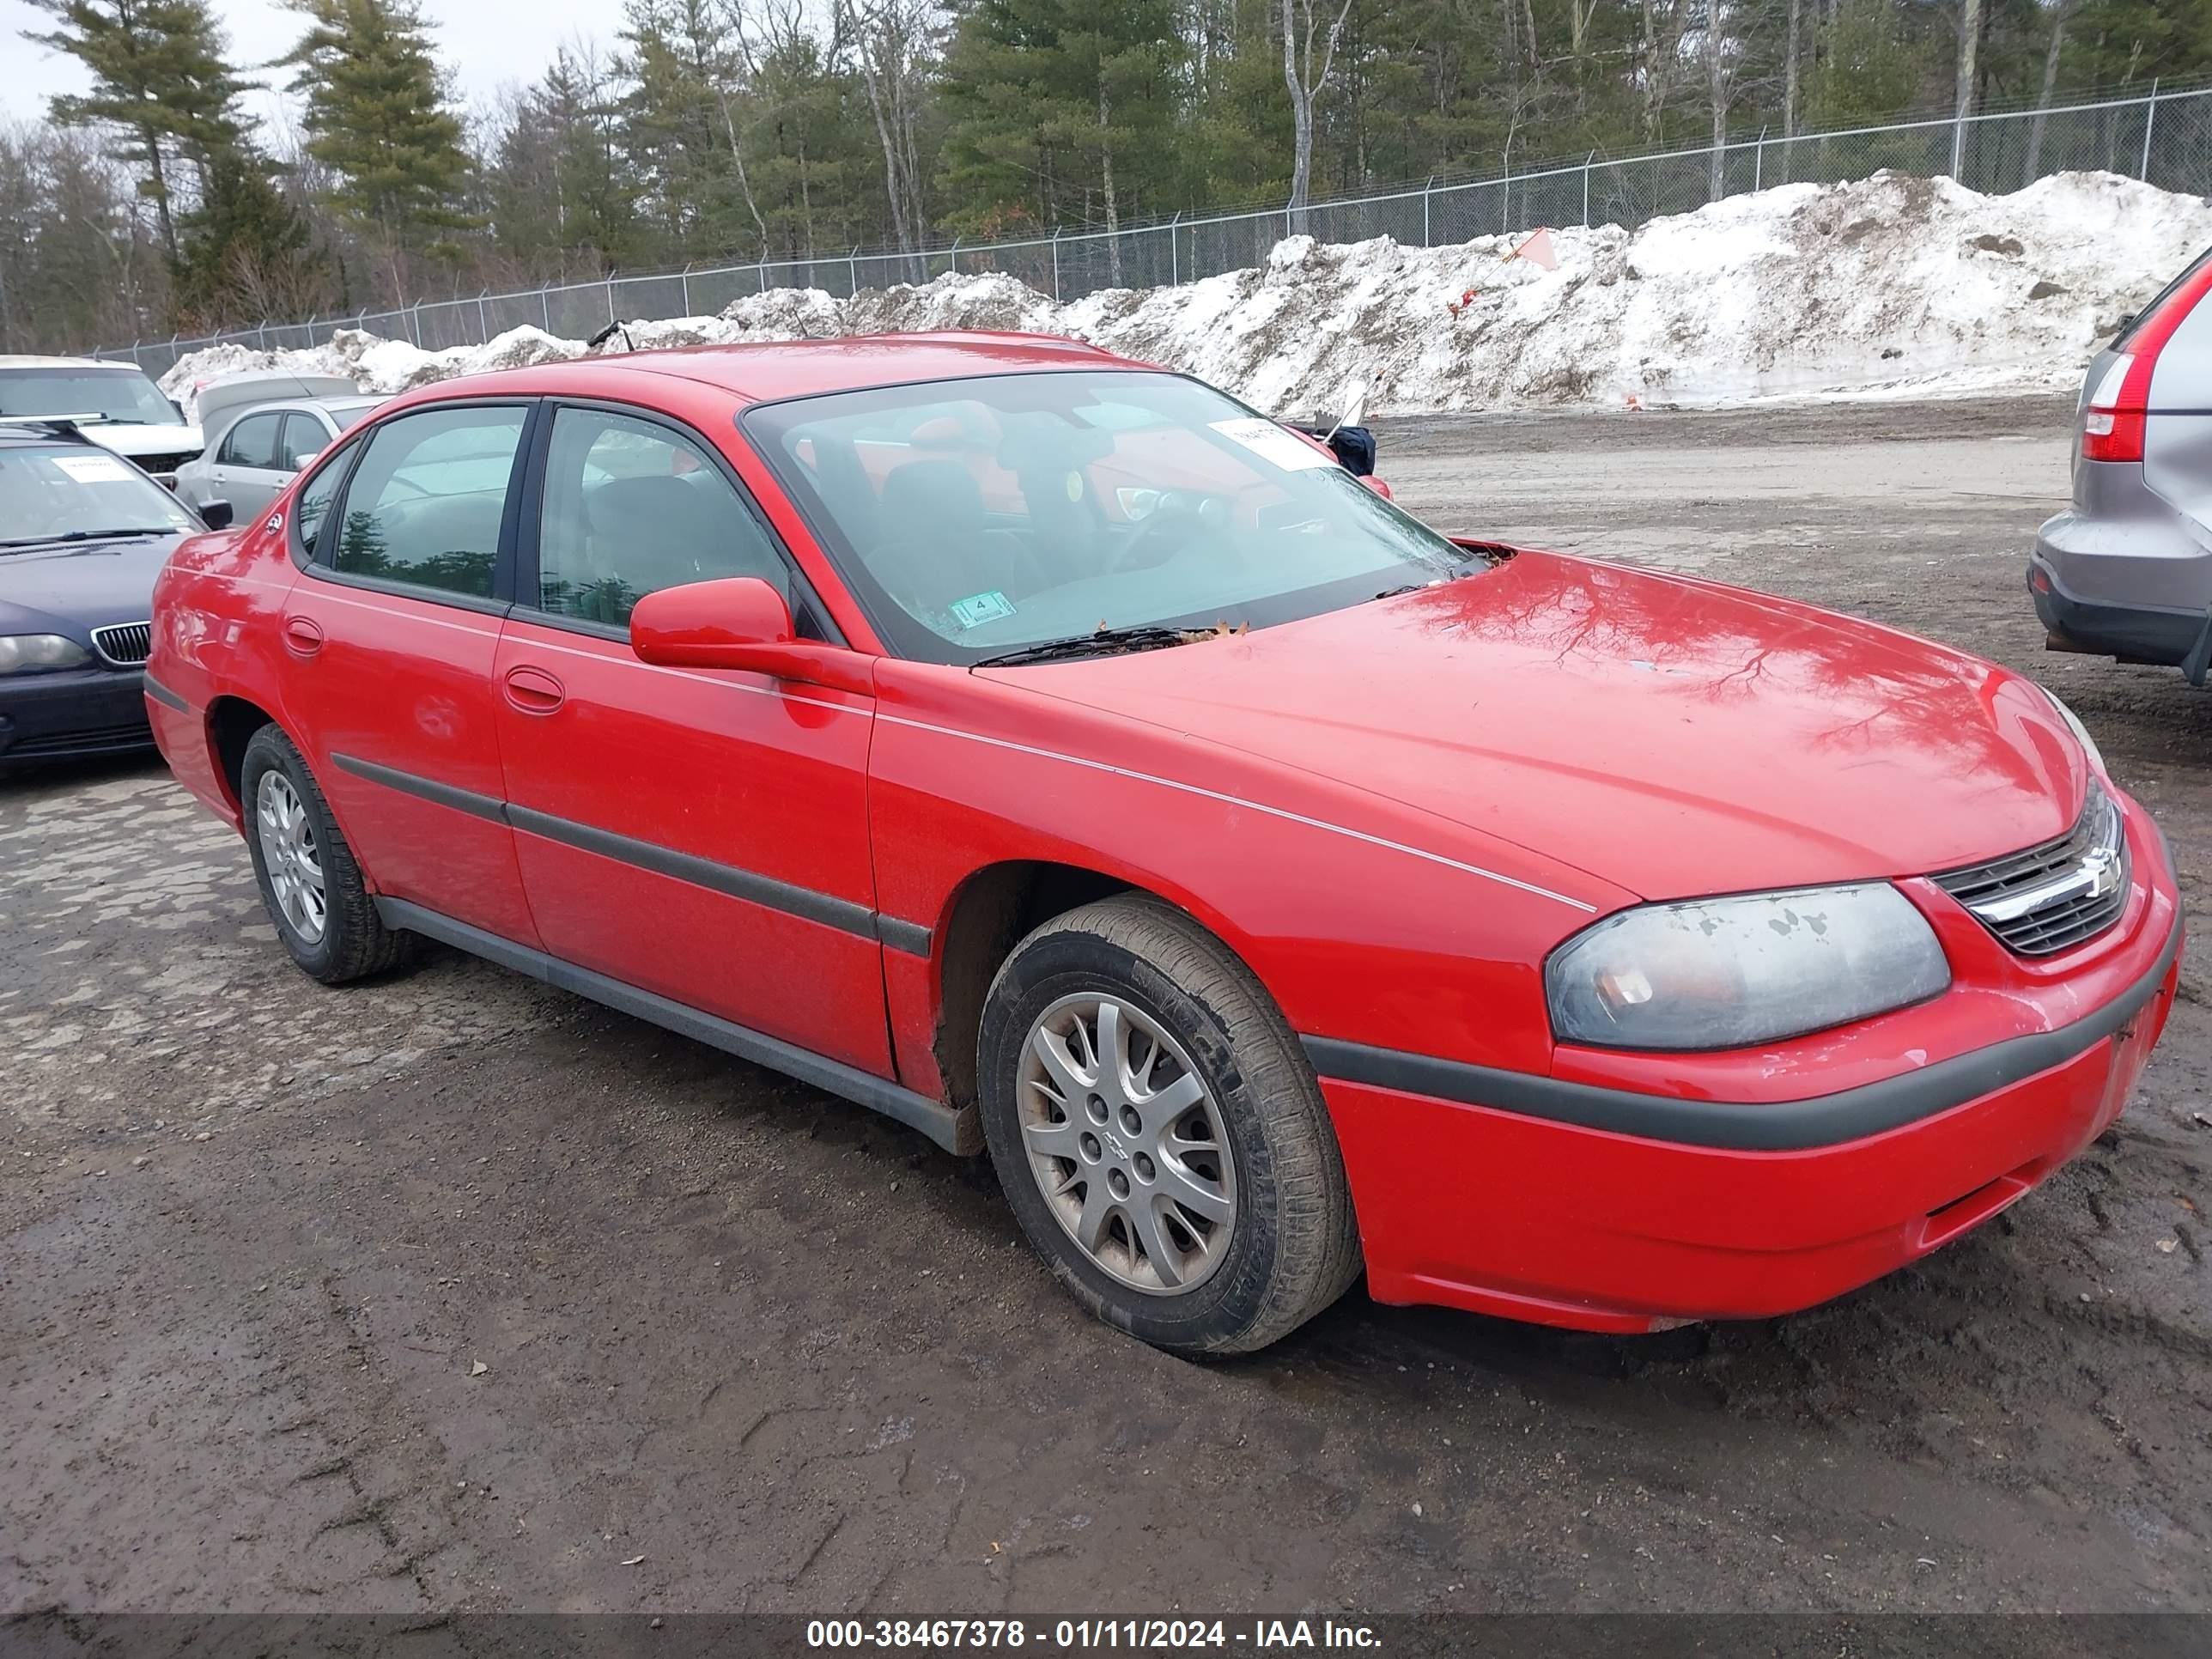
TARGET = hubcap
x,y
288,851
1126,1144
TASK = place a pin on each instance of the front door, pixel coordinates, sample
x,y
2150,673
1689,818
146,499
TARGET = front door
x,y
700,834
391,636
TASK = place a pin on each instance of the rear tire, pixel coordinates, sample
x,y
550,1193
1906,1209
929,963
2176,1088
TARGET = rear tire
x,y
1182,1132
310,885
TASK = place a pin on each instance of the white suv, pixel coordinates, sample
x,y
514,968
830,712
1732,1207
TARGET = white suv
x,y
114,403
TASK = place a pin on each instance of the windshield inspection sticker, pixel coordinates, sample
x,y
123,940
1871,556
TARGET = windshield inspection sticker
x,y
981,608
1272,443
91,469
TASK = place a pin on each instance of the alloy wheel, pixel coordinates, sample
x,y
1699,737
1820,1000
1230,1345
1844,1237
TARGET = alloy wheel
x,y
289,854
1126,1144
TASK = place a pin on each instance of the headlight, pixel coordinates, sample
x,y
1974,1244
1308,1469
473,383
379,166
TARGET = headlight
x,y
2081,732
21,651
1726,973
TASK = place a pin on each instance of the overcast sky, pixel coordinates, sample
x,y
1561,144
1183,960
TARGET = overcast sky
x,y
484,43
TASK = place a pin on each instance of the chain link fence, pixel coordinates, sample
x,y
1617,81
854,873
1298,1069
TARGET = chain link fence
x,y
2164,138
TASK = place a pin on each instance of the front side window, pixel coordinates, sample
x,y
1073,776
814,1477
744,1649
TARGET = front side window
x,y
252,442
50,491
424,506
974,517
632,507
304,438
124,396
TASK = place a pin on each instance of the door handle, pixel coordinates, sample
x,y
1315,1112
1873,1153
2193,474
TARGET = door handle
x,y
303,636
533,690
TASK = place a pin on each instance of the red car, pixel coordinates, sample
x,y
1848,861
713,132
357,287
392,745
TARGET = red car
x,y
1049,752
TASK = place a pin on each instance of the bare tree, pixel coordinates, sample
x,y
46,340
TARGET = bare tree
x,y
1716,87
892,41
2060,14
1306,81
1970,41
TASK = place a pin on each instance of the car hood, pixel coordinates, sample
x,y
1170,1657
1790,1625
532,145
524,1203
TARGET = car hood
x,y
133,440
81,586
1670,735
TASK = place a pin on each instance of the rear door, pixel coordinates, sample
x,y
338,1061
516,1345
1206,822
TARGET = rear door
x,y
390,635
246,471
699,834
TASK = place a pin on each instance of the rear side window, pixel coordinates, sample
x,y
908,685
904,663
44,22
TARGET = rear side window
x,y
2135,323
425,505
632,508
252,442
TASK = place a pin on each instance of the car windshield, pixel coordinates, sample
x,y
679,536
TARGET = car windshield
x,y
49,492
121,395
974,517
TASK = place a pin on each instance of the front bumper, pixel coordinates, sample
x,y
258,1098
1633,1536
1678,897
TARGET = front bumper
x,y
71,715
1601,1208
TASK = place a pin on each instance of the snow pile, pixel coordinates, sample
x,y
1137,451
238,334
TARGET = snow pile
x,y
1893,286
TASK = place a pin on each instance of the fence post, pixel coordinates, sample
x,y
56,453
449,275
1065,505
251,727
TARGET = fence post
x,y
1174,251
483,317
1426,239
687,287
610,296
953,259
414,324
1055,264
1506,204
1759,163
852,273
1958,143
1587,160
2150,117
546,307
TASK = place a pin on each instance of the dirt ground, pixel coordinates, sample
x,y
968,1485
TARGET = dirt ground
x,y
456,1293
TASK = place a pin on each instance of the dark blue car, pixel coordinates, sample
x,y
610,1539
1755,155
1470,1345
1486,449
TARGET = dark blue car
x,y
82,535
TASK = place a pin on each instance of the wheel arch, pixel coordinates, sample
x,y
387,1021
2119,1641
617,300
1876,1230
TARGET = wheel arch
x,y
231,723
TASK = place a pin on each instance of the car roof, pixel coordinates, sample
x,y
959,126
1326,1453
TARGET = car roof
x,y
767,371
24,361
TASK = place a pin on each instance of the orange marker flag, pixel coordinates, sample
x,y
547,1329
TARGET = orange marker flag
x,y
1537,250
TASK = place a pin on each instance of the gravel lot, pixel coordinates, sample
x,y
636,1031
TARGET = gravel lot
x,y
456,1293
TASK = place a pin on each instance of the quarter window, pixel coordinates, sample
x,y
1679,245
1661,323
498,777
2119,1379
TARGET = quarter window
x,y
252,442
425,504
632,508
314,500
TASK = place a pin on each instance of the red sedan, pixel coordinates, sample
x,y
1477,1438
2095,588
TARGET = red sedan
x,y
1047,751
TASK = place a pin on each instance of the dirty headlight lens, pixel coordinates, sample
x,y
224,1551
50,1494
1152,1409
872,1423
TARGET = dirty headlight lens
x,y
19,652
1726,973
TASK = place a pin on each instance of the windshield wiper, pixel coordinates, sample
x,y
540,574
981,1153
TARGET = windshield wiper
x,y
1105,641
91,535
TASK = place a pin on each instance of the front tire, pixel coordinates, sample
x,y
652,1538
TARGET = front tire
x,y
310,885
1159,1135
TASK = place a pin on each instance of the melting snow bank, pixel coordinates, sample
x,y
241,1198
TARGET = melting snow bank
x,y
1894,287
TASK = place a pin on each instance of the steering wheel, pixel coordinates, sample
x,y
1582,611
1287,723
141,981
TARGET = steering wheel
x,y
1166,532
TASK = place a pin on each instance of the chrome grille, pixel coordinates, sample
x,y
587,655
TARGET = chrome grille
x,y
2050,897
126,645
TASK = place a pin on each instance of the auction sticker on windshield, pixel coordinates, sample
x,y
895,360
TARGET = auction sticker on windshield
x,y
975,611
93,468
1271,443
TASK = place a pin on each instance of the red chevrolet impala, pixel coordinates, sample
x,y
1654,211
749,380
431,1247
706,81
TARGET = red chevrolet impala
x,y
1049,752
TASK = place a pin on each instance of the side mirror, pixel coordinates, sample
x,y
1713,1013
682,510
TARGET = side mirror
x,y
301,463
739,622
1378,486
215,515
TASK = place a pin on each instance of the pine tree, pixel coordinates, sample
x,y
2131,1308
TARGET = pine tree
x,y
377,118
246,250
159,81
1065,111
